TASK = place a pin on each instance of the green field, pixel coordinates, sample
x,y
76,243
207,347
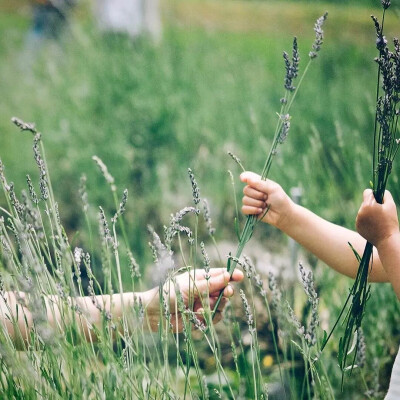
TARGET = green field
x,y
212,84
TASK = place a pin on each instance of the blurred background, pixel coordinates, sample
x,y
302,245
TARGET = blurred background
x,y
154,87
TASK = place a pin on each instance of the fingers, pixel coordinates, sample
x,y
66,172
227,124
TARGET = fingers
x,y
368,197
216,283
200,274
199,306
249,176
250,201
237,275
256,183
248,210
388,198
219,279
249,191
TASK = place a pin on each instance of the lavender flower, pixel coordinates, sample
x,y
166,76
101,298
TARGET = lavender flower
x,y
32,192
319,36
247,310
104,170
236,159
122,206
133,266
24,126
285,128
207,218
206,263
83,193
195,187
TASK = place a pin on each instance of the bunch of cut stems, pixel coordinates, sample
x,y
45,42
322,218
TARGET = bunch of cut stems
x,y
385,147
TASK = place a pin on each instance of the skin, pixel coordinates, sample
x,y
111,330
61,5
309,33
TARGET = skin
x,y
379,224
329,242
194,286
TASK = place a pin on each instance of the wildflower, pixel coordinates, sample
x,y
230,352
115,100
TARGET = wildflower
x,y
195,188
236,261
251,272
285,128
32,192
122,206
361,348
19,208
104,170
206,262
195,320
104,226
236,159
175,226
319,36
83,193
43,185
24,126
133,266
161,254
207,218
308,285
247,310
78,255
292,67
276,293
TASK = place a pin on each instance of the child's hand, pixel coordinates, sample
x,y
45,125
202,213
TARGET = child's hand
x,y
377,222
194,289
261,194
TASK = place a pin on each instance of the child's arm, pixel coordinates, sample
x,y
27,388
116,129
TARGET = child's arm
x,y
329,242
378,223
16,313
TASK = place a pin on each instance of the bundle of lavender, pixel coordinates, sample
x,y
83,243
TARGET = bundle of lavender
x,y
282,127
385,146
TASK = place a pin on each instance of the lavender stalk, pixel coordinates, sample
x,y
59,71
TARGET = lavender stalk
x,y
281,130
385,146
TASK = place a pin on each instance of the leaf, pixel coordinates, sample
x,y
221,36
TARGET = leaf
x,y
324,339
358,257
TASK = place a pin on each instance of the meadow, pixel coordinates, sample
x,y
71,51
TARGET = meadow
x,y
152,110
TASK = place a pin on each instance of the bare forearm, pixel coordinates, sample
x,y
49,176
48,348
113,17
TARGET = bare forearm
x,y
17,317
389,253
329,242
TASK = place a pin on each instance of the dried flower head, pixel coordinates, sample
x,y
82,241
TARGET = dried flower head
x,y
104,170
319,36
195,187
24,126
83,192
207,218
247,310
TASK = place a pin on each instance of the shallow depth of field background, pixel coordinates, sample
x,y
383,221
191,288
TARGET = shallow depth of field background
x,y
210,85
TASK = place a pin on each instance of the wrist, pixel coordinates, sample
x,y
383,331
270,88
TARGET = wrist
x,y
389,242
288,219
